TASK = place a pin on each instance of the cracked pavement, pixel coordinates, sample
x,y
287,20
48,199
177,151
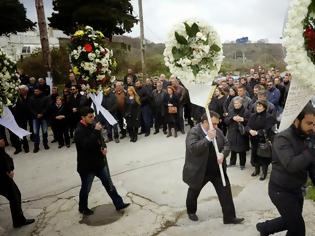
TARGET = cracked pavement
x,y
147,174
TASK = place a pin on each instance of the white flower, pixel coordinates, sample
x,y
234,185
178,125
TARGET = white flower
x,y
199,35
194,61
91,56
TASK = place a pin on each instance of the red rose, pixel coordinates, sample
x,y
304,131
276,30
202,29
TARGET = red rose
x,y
309,33
88,47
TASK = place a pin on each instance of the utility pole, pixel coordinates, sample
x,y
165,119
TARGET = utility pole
x,y
43,35
142,43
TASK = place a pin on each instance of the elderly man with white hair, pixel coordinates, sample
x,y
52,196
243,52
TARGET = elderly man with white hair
x,y
164,82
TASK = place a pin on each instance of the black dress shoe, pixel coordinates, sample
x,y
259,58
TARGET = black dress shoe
x,y
46,146
234,221
36,149
193,217
260,229
122,136
262,178
53,141
27,150
17,151
147,134
156,132
86,212
60,146
124,206
26,222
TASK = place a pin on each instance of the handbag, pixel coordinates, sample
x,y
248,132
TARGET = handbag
x,y
172,110
264,149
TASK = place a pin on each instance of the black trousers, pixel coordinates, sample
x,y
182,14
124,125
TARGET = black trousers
x,y
54,128
16,141
180,118
242,158
159,120
120,119
73,123
187,114
290,207
224,195
62,133
10,190
133,132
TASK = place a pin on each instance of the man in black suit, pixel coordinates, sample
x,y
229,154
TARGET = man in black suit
x,y
201,166
9,189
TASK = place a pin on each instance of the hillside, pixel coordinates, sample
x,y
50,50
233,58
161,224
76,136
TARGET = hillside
x,y
265,54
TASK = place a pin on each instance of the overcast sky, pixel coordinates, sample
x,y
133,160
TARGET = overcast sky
x,y
257,19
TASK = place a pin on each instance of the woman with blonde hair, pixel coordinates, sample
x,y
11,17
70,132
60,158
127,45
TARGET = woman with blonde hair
x,y
132,110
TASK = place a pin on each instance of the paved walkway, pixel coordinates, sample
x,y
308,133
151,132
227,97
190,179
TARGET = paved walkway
x,y
148,174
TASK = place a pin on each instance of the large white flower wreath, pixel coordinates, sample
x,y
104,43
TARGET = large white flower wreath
x,y
193,52
299,63
9,81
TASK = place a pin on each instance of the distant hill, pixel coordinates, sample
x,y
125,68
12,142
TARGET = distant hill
x,y
265,54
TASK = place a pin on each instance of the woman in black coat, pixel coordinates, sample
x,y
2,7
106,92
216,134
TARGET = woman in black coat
x,y
238,139
60,115
171,100
259,126
132,112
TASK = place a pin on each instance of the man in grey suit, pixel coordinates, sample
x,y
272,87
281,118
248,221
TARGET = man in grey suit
x,y
201,166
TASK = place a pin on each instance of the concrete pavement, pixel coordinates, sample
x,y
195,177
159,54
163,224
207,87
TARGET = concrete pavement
x,y
148,174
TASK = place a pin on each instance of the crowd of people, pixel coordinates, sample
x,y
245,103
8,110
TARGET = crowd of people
x,y
250,109
249,106
133,103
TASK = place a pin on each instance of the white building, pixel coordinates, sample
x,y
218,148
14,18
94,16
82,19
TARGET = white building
x,y
23,44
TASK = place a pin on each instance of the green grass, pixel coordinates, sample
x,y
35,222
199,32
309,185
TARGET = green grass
x,y
310,193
